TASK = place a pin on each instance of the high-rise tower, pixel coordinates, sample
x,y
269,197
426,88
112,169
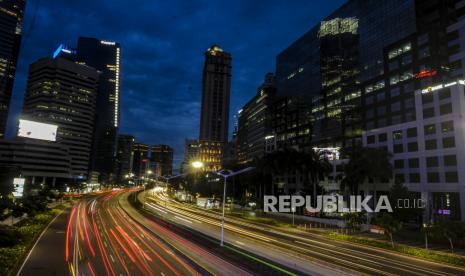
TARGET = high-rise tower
x,y
11,18
216,86
105,57
63,93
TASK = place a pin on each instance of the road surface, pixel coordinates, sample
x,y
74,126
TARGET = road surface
x,y
97,237
295,248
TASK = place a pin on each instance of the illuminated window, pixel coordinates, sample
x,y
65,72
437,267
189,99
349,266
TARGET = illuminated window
x,y
447,126
430,129
399,51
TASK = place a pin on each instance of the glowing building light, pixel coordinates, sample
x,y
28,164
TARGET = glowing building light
x,y
117,87
104,42
338,26
57,51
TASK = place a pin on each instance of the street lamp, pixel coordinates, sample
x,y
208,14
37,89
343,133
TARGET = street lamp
x,y
293,212
426,229
225,174
197,164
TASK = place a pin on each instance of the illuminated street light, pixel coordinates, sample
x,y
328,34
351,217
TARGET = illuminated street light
x,y
197,164
225,174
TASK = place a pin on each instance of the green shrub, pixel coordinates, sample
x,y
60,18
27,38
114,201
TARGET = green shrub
x,y
8,236
9,257
42,218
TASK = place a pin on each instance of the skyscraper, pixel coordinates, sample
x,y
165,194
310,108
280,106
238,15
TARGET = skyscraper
x,y
191,154
11,19
161,159
105,57
124,156
63,93
140,159
255,122
214,119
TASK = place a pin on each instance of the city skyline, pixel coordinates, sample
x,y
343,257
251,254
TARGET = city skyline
x,y
147,66
243,138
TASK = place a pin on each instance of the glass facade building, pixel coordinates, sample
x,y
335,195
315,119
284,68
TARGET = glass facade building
x,y
11,19
105,56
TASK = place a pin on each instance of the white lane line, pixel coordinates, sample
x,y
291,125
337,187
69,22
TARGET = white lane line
x,y
183,219
156,208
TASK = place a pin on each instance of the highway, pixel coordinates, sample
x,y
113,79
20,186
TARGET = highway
x,y
293,248
97,237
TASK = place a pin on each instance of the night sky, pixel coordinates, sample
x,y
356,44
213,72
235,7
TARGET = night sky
x,y
163,43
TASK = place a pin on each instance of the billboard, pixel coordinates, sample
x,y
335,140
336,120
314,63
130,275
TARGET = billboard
x,y
36,130
18,184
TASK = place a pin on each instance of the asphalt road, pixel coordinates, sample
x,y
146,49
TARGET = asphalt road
x,y
46,257
97,237
297,249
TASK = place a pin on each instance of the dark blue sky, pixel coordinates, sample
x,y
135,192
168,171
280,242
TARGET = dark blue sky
x,y
163,43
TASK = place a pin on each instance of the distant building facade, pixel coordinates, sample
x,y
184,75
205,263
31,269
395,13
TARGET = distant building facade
x,y
254,122
124,156
191,154
161,160
140,163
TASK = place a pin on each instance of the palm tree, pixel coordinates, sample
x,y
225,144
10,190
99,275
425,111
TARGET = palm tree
x,y
319,167
366,163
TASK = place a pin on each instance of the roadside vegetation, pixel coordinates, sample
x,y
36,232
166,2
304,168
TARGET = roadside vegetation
x,y
18,239
431,255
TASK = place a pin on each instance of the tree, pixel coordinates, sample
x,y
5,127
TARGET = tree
x,y
390,224
354,220
399,192
366,163
318,167
7,173
448,229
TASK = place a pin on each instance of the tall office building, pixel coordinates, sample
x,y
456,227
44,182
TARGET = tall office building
x,y
124,156
105,57
140,163
11,19
214,119
161,160
63,93
361,67
191,154
254,122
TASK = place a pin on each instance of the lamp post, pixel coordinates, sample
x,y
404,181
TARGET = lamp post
x,y
293,212
225,174
425,229
147,173
197,165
